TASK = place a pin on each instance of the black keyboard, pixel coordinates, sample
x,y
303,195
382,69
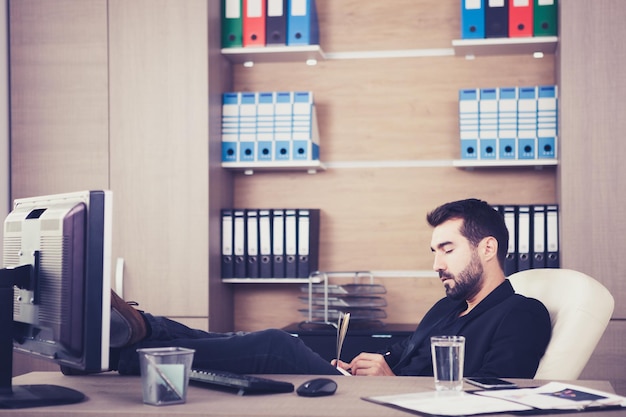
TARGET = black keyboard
x,y
242,384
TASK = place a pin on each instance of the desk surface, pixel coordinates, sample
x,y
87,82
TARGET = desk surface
x,y
111,394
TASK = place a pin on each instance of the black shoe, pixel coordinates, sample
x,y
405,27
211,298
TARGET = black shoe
x,y
127,324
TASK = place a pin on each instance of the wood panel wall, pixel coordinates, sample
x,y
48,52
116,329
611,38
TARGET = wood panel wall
x,y
159,152
5,171
592,196
59,97
377,110
115,94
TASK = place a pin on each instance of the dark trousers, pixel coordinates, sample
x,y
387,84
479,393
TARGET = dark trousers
x,y
269,351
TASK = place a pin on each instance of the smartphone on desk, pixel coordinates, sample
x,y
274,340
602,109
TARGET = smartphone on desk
x,y
490,382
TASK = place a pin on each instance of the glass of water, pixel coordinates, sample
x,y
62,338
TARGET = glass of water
x,y
448,357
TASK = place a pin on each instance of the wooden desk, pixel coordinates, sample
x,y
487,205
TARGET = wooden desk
x,y
114,395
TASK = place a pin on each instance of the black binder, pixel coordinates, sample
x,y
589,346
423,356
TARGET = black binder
x,y
239,243
227,244
523,238
552,236
291,243
308,241
496,18
538,220
510,219
278,243
276,22
252,243
265,243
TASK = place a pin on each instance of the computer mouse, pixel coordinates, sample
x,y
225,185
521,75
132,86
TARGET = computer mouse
x,y
317,387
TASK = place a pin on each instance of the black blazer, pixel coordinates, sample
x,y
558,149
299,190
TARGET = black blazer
x,y
506,335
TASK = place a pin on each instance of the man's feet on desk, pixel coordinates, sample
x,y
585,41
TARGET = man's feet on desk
x,y
127,327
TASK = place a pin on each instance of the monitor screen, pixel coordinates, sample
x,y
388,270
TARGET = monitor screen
x,y
56,274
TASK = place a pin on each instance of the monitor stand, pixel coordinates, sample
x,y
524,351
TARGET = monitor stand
x,y
22,396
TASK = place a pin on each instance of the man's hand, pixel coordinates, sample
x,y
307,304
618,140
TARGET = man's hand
x,y
366,364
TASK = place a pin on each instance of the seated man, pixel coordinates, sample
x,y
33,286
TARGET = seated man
x,y
506,333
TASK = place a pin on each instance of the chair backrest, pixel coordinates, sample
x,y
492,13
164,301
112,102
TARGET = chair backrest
x,y
580,309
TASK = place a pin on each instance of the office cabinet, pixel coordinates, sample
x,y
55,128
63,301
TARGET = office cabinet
x,y
322,338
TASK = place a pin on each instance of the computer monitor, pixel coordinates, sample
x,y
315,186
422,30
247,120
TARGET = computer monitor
x,y
55,285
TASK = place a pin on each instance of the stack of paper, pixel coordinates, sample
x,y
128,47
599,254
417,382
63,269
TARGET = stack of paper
x,y
554,396
363,301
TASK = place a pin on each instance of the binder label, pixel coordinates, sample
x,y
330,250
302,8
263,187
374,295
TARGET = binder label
x,y
496,3
232,9
274,8
298,7
472,4
227,235
279,232
255,8
265,237
303,235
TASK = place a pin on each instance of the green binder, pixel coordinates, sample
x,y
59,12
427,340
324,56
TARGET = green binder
x,y
232,24
545,18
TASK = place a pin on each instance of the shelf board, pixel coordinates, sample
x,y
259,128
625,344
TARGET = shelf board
x,y
269,280
505,46
302,53
249,168
317,279
504,163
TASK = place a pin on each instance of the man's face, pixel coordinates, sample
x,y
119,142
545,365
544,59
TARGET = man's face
x,y
456,260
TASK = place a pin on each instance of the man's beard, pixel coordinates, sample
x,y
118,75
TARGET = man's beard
x,y
468,282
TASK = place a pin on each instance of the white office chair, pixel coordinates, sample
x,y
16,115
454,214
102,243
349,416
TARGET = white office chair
x,y
580,309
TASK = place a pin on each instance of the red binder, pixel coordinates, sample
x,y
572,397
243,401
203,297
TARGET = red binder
x,y
520,18
254,22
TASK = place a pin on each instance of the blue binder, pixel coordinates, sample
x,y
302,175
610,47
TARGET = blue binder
x,y
247,127
305,133
468,123
265,126
283,125
230,127
527,123
547,109
488,123
507,123
302,23
472,19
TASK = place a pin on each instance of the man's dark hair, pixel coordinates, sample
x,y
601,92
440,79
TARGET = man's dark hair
x,y
480,220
